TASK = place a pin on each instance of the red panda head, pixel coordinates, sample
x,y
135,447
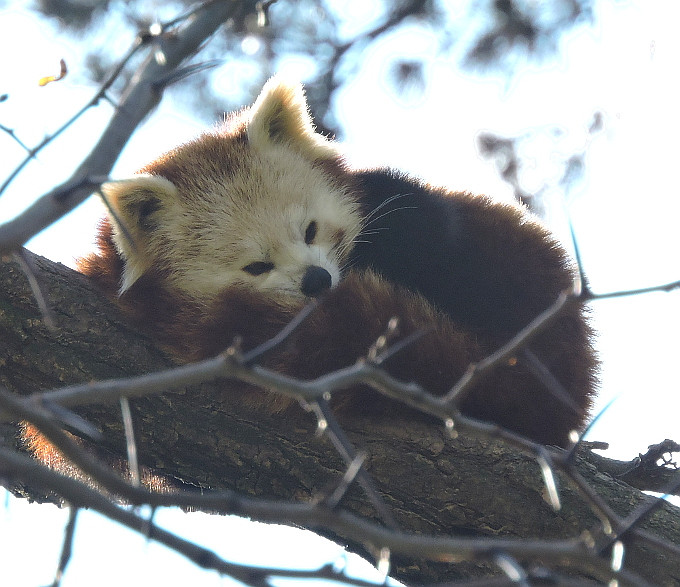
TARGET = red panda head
x,y
263,202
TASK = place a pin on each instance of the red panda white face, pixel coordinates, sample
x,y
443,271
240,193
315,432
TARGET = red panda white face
x,y
273,219
252,205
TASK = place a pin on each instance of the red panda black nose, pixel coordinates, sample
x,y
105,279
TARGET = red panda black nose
x,y
315,281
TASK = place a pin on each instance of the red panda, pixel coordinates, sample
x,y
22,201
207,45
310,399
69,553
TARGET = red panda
x,y
231,234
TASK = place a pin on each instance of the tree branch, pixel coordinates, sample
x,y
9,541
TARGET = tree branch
x,y
141,96
344,523
436,485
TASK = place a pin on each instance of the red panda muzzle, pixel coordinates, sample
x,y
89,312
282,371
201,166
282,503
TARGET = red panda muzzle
x,y
315,281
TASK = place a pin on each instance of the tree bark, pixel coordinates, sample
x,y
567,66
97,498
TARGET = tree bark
x,y
205,437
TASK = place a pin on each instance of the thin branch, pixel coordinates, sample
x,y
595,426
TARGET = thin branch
x,y
93,102
440,548
130,443
67,546
344,447
43,420
179,74
335,497
547,470
111,390
478,371
644,511
641,472
13,135
262,351
545,376
83,496
634,292
139,98
27,266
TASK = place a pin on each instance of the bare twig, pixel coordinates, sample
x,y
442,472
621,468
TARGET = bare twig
x,y
634,292
570,551
67,546
545,376
333,499
26,264
41,418
139,98
478,371
93,102
130,443
260,352
642,472
344,447
83,496
14,136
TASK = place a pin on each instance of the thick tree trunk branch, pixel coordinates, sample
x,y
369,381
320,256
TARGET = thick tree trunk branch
x,y
203,436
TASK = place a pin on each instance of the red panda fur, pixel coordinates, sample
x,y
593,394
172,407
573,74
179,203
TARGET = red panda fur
x,y
521,256
174,297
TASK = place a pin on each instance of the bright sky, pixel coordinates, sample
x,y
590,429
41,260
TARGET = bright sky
x,y
625,212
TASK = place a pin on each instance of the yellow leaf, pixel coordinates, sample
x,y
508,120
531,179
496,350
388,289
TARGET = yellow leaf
x,y
43,81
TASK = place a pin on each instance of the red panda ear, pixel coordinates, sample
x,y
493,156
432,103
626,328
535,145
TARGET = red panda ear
x,y
135,205
280,117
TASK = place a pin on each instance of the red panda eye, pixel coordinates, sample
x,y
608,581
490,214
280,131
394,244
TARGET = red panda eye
x,y
258,268
310,233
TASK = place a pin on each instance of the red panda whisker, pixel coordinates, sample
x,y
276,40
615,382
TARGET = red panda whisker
x,y
380,206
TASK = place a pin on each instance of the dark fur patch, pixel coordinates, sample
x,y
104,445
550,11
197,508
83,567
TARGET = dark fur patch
x,y
277,126
144,209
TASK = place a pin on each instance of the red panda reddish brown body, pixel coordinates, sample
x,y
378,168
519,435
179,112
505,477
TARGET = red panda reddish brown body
x,y
232,234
